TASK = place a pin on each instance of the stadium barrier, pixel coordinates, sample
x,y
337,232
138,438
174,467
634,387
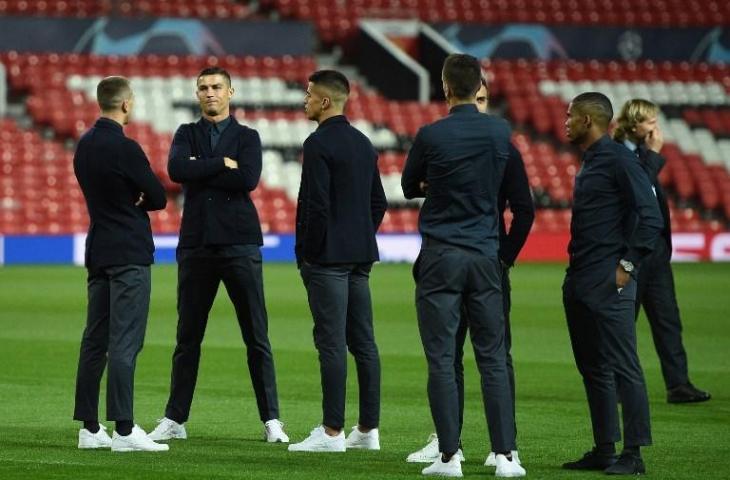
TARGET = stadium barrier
x,y
540,247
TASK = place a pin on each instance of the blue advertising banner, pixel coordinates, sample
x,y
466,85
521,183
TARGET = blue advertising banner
x,y
139,36
543,42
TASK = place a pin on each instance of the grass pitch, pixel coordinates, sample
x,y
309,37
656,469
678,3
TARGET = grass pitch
x,y
42,316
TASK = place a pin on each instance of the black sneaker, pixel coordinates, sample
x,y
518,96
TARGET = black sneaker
x,y
592,460
687,393
627,464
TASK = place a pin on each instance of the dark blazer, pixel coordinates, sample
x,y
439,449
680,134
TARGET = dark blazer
x,y
462,158
341,198
653,164
218,209
112,171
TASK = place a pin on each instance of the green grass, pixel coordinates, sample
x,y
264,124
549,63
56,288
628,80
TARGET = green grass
x,y
42,316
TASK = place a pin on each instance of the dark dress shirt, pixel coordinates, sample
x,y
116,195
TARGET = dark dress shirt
x,y
462,157
615,212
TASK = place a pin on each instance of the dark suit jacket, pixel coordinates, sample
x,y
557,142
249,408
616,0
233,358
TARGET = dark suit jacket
x,y
218,209
462,157
112,171
341,198
653,164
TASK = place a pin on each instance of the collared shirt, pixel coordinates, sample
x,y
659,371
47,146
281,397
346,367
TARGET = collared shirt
x,y
462,158
215,130
615,213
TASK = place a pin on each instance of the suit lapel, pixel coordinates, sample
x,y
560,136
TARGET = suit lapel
x,y
227,136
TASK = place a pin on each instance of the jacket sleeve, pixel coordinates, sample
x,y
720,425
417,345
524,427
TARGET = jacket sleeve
x,y
653,162
138,170
247,175
378,202
516,190
182,167
414,171
641,199
317,174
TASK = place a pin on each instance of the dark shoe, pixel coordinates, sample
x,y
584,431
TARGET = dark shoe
x,y
687,393
592,461
627,464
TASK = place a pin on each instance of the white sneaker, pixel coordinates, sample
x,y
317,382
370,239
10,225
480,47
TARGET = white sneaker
x,y
319,441
491,460
430,453
167,429
508,468
364,441
99,439
452,468
274,432
137,441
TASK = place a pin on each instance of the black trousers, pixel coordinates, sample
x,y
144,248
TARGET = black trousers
x,y
657,295
118,304
461,340
199,275
339,298
603,336
446,278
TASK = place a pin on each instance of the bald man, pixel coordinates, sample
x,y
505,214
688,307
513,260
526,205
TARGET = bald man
x,y
606,247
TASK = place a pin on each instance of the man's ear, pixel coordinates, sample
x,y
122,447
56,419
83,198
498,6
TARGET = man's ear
x,y
326,102
125,106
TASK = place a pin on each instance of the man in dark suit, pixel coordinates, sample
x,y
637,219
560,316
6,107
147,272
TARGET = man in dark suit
x,y
119,188
515,191
462,159
218,161
639,131
615,225
341,204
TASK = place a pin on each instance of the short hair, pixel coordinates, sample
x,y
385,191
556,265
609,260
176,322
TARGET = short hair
x,y
597,106
333,81
111,92
463,75
632,113
215,71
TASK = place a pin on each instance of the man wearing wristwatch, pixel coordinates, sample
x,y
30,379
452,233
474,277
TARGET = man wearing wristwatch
x,y
615,224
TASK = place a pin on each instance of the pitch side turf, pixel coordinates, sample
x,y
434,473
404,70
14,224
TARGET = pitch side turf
x,y
42,316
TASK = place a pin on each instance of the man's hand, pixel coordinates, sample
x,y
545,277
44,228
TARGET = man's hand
x,y
230,163
140,200
423,186
622,277
655,140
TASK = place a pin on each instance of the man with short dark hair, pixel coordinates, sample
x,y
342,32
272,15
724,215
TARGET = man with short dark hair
x,y
341,204
119,188
218,161
462,158
515,192
615,225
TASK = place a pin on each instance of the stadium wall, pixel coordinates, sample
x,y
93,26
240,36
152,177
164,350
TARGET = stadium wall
x,y
540,247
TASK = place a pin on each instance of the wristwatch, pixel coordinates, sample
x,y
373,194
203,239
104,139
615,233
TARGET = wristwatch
x,y
626,265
